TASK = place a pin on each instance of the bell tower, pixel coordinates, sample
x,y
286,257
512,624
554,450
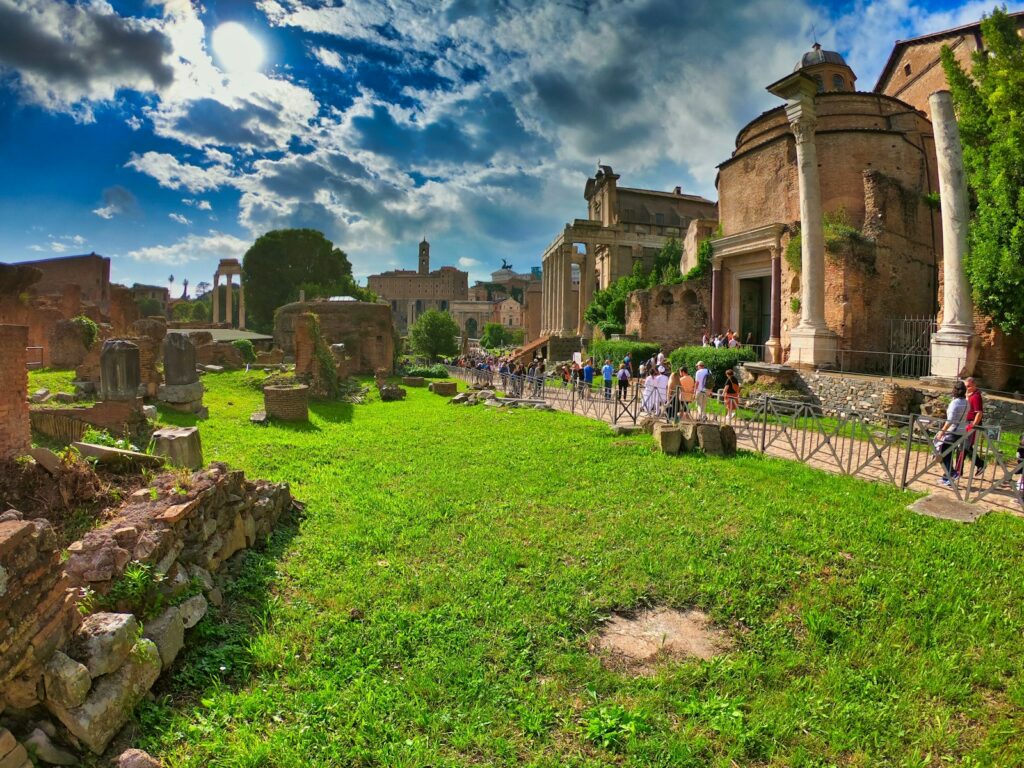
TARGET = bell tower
x,y
424,257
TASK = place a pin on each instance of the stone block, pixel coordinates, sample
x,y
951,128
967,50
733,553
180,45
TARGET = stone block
x,y
667,438
103,641
193,610
414,381
47,459
184,394
120,370
689,434
41,395
233,538
709,438
391,392
66,681
444,388
112,699
136,758
181,445
167,631
117,457
149,412
16,758
46,751
728,438
180,360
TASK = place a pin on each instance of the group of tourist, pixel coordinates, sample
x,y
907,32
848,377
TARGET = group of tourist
x,y
956,439
728,339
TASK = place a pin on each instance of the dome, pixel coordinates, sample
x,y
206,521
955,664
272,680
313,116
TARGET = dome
x,y
818,56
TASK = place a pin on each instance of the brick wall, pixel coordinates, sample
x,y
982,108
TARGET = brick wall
x,y
364,328
15,433
670,315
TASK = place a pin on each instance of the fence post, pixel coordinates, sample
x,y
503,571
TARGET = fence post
x,y
764,421
906,454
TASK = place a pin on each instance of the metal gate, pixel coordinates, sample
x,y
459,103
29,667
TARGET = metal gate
x,y
910,344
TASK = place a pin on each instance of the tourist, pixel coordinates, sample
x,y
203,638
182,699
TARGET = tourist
x,y
731,391
575,373
660,360
607,373
700,394
975,414
588,376
648,401
673,397
733,342
628,362
952,431
686,389
705,340
566,376
661,390
624,376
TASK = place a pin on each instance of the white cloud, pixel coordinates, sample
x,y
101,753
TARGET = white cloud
x,y
134,122
203,248
179,218
328,58
202,205
37,248
172,173
465,262
117,200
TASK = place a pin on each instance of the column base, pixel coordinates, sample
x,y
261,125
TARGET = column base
x,y
812,347
773,351
954,353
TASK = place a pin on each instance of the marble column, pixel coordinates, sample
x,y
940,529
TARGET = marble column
x,y
567,322
773,348
716,297
954,348
228,301
548,282
241,304
216,297
813,344
588,265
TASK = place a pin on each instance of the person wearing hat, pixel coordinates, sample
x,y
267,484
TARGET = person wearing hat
x,y
703,385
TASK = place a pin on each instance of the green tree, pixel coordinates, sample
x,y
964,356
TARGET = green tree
x,y
434,334
990,111
495,335
149,307
281,262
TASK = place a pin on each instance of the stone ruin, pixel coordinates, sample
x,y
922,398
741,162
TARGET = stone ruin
x,y
88,673
712,439
365,329
15,429
182,389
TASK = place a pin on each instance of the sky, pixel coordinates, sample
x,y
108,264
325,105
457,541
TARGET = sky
x,y
168,134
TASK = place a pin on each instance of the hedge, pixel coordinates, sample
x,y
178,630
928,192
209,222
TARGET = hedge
x,y
426,371
245,349
717,360
639,351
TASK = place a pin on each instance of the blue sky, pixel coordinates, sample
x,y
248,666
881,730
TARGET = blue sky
x,y
139,131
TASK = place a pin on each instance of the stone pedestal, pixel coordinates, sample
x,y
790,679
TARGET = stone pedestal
x,y
179,359
812,347
120,370
181,446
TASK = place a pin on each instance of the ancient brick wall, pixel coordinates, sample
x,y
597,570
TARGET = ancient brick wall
x,y
670,315
37,611
66,345
90,273
123,309
364,328
66,425
15,435
305,347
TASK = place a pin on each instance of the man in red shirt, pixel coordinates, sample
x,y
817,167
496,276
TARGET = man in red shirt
x,y
975,414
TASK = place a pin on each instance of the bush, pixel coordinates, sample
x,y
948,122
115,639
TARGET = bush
x,y
90,331
246,349
716,360
426,371
639,351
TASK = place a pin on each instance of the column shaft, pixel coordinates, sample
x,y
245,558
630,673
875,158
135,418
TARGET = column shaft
x,y
216,297
241,304
228,301
716,299
812,231
567,321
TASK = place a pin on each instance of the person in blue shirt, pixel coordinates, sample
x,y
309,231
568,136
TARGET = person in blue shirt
x,y
588,376
608,372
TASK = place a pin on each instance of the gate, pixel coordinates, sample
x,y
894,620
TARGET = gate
x,y
910,345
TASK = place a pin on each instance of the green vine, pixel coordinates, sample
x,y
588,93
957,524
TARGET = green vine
x,y
702,268
89,330
327,369
841,239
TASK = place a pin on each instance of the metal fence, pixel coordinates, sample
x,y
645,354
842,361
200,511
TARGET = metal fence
x,y
904,451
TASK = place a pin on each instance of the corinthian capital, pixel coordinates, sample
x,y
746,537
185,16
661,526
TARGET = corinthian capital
x,y
803,128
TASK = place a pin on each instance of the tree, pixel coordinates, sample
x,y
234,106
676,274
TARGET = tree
x,y
282,261
990,112
434,334
149,307
495,336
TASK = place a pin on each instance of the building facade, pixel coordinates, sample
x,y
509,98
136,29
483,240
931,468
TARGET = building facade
x,y
411,293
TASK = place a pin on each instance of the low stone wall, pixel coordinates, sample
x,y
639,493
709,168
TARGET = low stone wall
x,y
68,425
90,673
866,394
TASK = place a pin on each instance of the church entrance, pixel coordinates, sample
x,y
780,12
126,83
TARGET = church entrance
x,y
755,310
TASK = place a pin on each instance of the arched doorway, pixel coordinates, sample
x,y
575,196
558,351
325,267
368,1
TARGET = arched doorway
x,y
471,328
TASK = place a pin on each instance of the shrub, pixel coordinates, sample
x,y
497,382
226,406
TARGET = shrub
x,y
246,349
89,330
426,371
639,351
716,360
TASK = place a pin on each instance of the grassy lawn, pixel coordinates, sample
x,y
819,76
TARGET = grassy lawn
x,y
434,606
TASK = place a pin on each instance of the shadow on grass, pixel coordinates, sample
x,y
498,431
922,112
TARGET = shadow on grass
x,y
333,411
177,418
218,650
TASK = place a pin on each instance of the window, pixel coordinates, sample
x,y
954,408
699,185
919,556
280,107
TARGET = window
x,y
659,219
820,82
906,70
838,83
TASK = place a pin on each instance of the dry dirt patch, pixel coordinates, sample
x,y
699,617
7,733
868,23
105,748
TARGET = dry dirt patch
x,y
636,642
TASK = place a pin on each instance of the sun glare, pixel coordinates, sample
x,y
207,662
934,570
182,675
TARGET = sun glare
x,y
237,49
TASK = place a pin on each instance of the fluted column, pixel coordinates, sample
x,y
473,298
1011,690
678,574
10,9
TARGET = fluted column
x,y
241,304
953,345
228,301
216,297
813,343
588,265
567,322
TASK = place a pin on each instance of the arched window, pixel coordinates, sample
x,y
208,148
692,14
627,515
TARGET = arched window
x,y
665,298
820,82
838,83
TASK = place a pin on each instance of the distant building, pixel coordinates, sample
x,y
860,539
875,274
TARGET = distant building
x,y
411,293
156,293
89,273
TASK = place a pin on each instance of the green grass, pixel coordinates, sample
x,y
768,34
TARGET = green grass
x,y
434,606
53,380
